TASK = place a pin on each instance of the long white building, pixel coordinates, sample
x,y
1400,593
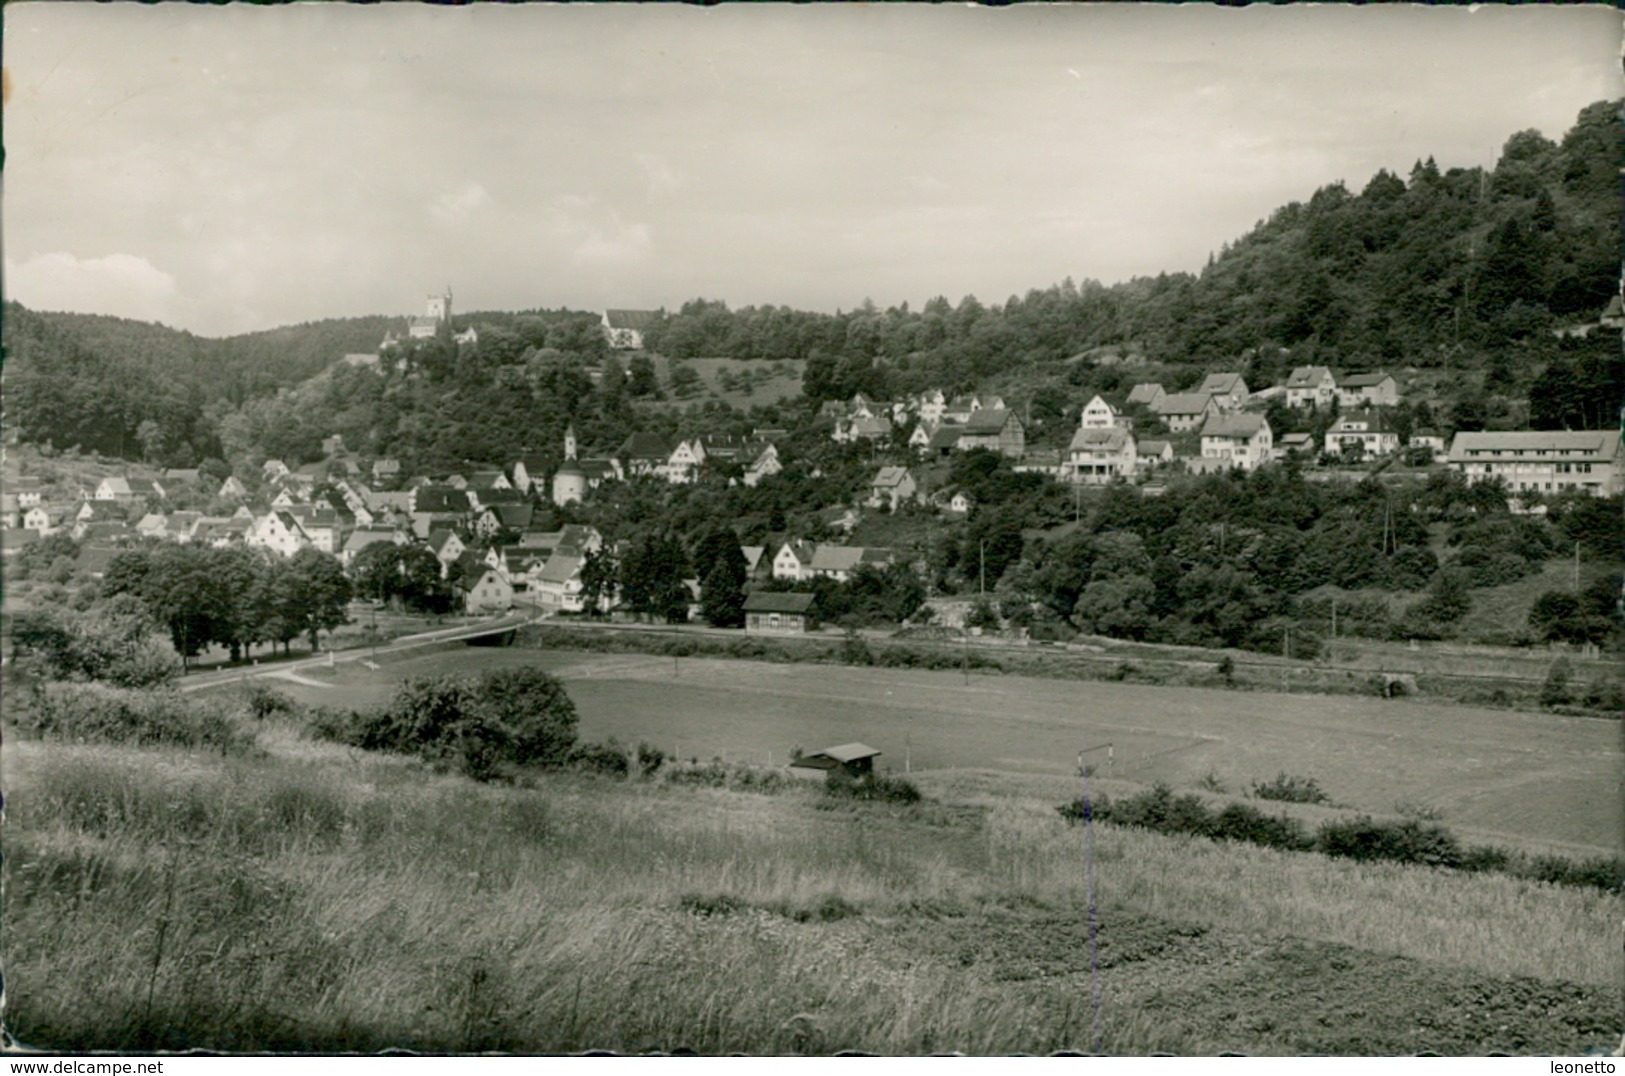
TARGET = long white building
x,y
1542,461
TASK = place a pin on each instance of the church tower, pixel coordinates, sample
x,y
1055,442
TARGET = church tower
x,y
570,481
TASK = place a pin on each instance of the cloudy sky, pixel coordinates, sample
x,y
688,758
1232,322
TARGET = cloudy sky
x,y
237,168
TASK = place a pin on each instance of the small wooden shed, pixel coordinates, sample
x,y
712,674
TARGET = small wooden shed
x,y
856,759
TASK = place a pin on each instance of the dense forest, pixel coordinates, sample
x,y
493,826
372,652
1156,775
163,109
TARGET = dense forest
x,y
1462,270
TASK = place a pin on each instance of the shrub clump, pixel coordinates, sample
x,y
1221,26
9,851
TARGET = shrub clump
x,y
263,703
1290,789
99,713
1361,838
874,787
1407,841
477,726
737,776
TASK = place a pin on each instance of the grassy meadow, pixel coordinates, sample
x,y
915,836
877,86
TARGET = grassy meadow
x,y
312,897
1544,782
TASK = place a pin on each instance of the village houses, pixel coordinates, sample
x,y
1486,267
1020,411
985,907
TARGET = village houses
x,y
1311,387
1186,410
1242,441
892,488
1369,429
1367,390
1099,455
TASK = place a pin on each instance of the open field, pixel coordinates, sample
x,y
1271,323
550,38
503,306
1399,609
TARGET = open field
x,y
1539,781
322,899
770,380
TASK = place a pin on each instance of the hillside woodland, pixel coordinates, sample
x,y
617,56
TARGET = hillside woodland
x,y
1462,271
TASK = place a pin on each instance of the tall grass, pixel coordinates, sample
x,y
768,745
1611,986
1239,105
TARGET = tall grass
x,y
357,902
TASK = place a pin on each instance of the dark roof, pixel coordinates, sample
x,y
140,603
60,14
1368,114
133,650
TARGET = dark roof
x,y
1363,381
778,601
516,516
506,495
441,499
645,446
1245,425
987,420
840,755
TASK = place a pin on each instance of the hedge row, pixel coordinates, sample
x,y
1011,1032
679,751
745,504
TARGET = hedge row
x,y
100,713
1036,661
1361,838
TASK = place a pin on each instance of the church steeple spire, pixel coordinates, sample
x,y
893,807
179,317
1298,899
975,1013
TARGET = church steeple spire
x,y
570,441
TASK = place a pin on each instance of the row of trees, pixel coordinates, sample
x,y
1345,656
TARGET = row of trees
x,y
233,597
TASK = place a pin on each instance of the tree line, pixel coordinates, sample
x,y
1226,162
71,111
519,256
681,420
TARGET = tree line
x,y
235,597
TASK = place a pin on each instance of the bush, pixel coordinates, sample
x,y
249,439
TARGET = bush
x,y
1240,822
1360,838
1400,842
650,759
508,717
263,703
98,713
1599,872
1555,691
871,786
1289,789
609,758
1162,811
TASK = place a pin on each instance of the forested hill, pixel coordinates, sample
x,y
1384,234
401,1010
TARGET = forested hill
x,y
1466,268
93,380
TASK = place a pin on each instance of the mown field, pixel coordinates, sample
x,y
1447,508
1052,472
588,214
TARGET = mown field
x,y
316,898
1540,781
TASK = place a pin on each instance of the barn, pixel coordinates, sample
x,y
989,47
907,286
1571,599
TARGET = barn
x,y
856,759
779,612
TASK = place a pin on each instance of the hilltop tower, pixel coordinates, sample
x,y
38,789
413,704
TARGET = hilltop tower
x,y
439,306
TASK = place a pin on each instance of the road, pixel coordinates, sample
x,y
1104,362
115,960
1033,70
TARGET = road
x,y
238,673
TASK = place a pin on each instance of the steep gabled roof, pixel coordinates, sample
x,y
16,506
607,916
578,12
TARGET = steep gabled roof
x,y
560,568
1222,384
636,320
1243,426
1363,381
1307,377
836,558
1111,438
645,446
1184,403
988,420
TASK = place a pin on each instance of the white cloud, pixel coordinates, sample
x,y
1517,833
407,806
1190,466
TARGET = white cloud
x,y
659,177
596,235
454,207
123,285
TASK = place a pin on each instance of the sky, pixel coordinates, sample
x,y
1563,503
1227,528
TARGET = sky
x,y
227,169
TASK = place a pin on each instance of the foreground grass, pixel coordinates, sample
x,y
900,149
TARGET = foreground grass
x,y
322,899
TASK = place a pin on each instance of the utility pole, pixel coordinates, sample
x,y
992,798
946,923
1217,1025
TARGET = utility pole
x,y
1286,652
982,570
